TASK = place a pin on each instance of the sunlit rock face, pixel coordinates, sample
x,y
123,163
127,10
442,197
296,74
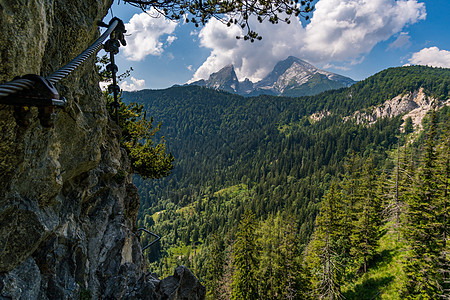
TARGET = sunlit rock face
x,y
414,105
67,204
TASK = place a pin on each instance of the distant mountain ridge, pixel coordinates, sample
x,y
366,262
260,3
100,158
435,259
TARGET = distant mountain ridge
x,y
290,77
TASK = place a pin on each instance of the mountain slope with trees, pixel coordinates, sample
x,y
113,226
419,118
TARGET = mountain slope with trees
x,y
268,155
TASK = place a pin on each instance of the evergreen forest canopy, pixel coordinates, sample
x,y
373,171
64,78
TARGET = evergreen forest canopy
x,y
331,204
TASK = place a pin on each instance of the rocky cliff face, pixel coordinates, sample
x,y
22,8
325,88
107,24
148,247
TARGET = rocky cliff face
x,y
67,205
412,104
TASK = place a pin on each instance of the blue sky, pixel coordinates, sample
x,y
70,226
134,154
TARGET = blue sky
x,y
355,38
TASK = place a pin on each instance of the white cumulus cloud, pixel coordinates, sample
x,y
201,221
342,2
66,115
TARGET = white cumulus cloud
x,y
345,30
251,60
171,39
135,84
432,56
144,35
339,31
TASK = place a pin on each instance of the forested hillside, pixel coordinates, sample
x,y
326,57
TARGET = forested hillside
x,y
265,163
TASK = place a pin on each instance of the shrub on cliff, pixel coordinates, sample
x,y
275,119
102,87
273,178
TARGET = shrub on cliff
x,y
147,159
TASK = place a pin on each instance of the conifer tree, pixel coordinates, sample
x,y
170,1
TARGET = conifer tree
x,y
225,288
399,183
245,260
366,229
409,127
422,226
295,284
214,266
281,273
350,197
269,242
443,181
393,204
323,257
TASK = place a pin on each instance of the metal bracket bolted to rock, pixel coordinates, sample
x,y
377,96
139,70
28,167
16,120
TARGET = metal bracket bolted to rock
x,y
35,90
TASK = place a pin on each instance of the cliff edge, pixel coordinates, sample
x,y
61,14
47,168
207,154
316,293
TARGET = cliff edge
x,y
67,204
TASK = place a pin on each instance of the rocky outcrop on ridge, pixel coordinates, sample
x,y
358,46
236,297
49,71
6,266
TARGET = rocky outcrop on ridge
x,y
412,104
67,204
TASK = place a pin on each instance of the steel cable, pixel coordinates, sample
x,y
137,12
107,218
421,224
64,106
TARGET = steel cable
x,y
67,69
18,85
15,86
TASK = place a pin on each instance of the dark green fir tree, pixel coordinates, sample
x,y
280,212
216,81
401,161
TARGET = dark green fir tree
x,y
245,260
215,266
324,255
367,226
443,181
423,228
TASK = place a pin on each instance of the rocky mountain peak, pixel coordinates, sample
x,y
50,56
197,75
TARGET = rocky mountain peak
x,y
225,80
289,63
291,77
293,72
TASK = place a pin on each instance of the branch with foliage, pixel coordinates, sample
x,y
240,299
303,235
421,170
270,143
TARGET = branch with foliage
x,y
147,160
229,11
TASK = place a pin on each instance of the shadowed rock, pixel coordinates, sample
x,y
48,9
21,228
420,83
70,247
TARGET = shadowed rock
x,y
67,219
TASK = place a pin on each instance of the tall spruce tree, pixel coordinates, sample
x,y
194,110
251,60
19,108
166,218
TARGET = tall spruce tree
x,y
245,260
350,197
324,255
397,187
281,272
422,227
393,204
295,284
366,229
214,266
268,239
443,181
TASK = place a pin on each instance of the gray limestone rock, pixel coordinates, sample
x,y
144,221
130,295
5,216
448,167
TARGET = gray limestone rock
x,y
67,212
182,285
23,282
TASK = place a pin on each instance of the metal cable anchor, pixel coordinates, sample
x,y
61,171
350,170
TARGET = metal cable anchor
x,y
42,95
112,47
20,91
